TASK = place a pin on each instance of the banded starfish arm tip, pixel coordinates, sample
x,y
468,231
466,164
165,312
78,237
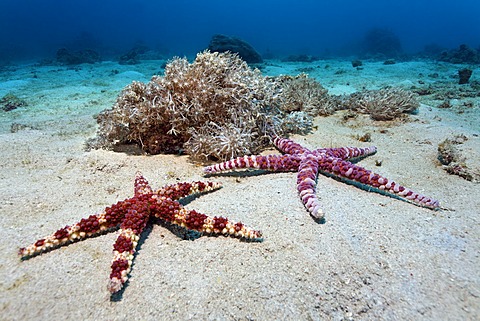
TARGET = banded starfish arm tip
x,y
317,213
91,226
115,285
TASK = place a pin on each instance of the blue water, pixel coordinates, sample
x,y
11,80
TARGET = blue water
x,y
36,29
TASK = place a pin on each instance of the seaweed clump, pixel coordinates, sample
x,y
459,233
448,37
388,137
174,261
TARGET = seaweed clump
x,y
383,104
216,107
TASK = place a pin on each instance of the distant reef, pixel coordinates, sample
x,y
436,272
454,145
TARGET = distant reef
x,y
381,43
463,55
68,57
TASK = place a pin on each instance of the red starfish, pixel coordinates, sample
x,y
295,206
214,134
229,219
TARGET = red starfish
x,y
132,215
329,161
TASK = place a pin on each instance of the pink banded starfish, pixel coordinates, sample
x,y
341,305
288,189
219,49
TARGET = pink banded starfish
x,y
330,161
132,215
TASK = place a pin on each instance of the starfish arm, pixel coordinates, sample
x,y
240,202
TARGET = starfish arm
x,y
173,212
179,190
288,146
87,227
365,178
125,246
306,186
346,152
268,162
193,220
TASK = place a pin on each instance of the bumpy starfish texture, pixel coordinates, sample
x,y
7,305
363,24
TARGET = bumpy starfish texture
x,y
132,216
329,161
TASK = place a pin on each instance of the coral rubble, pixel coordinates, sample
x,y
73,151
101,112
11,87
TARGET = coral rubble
x,y
10,102
454,160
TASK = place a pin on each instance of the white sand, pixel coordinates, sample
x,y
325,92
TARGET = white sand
x,y
375,257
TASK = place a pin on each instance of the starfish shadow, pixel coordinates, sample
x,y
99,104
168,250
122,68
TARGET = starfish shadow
x,y
321,220
253,173
246,173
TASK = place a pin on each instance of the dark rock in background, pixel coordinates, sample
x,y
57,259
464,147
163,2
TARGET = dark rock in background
x,y
464,75
132,57
67,57
222,43
357,63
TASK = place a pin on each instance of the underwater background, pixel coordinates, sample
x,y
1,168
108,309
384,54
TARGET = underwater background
x,y
37,29
93,92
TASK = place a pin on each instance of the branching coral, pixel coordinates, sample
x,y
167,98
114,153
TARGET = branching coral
x,y
221,142
301,93
216,107
383,104
297,122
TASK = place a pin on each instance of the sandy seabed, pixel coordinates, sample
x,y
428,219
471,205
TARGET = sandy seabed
x,y
375,257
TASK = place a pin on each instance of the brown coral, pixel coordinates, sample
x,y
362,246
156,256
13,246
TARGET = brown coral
x,y
216,107
383,104
301,93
